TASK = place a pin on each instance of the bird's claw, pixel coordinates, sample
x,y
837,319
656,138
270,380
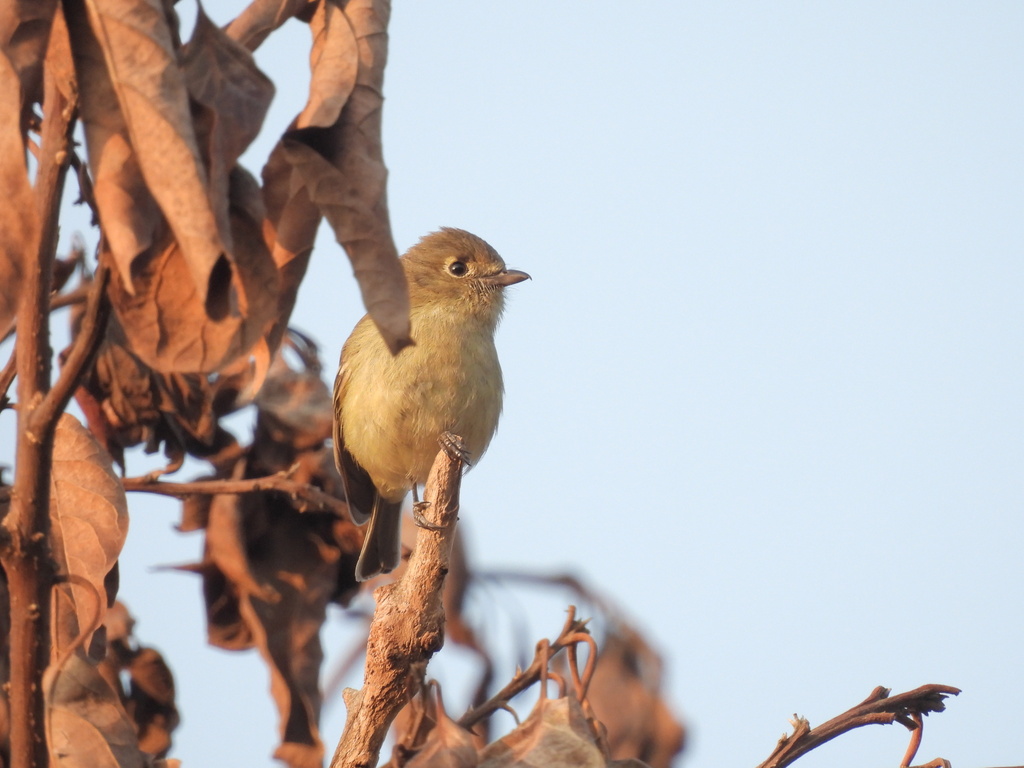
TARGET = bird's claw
x,y
418,517
454,446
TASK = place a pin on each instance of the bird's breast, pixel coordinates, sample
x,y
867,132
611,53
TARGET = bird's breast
x,y
449,380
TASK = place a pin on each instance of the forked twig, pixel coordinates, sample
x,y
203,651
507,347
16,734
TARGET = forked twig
x,y
546,650
877,709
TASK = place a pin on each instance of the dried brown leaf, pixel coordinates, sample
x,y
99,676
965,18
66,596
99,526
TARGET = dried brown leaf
x,y
89,519
225,627
299,559
448,744
295,407
231,98
226,544
334,65
129,214
138,47
555,735
290,230
166,321
87,725
126,403
18,213
340,164
270,571
352,199
625,694
24,33
149,700
261,17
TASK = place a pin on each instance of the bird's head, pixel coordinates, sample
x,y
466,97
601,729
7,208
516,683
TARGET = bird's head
x,y
452,265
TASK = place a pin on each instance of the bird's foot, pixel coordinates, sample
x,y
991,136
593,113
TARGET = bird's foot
x,y
418,517
455,447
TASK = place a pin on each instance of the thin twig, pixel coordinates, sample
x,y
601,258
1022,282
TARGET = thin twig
x,y
527,677
6,378
915,740
877,709
86,344
311,498
75,296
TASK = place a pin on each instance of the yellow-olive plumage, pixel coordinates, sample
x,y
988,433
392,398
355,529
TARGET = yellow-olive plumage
x,y
391,410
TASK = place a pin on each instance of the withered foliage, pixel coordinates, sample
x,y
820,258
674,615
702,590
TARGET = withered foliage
x,y
184,319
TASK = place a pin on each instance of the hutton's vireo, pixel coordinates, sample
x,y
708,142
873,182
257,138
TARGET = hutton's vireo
x,y
390,411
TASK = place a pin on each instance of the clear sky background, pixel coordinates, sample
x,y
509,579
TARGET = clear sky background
x,y
765,388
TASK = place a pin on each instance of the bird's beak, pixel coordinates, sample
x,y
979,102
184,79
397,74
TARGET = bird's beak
x,y
506,278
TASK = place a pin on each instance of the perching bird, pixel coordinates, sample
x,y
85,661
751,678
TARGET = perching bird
x,y
390,411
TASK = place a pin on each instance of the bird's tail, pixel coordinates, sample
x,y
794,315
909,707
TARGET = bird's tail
x,y
382,546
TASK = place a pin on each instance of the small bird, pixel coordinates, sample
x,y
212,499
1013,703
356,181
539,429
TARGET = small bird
x,y
392,411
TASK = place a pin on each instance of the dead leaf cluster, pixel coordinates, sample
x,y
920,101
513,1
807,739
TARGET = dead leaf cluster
x,y
201,265
91,719
270,569
560,731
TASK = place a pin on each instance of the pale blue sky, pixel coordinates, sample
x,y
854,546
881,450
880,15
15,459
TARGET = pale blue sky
x,y
765,389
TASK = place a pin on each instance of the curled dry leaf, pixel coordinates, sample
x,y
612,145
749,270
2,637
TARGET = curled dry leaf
x,y
284,569
626,697
138,48
126,403
261,17
165,320
448,744
231,97
129,214
292,218
340,163
290,230
18,213
333,63
149,700
89,521
24,33
226,544
555,735
87,725
352,199
269,571
302,564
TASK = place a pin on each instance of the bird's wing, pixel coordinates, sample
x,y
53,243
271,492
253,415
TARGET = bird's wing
x,y
359,488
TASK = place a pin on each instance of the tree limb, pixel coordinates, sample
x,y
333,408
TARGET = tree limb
x,y
83,352
25,551
878,708
408,625
309,498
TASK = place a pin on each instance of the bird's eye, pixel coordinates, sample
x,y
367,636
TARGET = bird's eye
x,y
458,268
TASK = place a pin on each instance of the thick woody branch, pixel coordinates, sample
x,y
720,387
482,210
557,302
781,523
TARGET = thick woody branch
x,y
877,709
25,553
408,625
308,497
